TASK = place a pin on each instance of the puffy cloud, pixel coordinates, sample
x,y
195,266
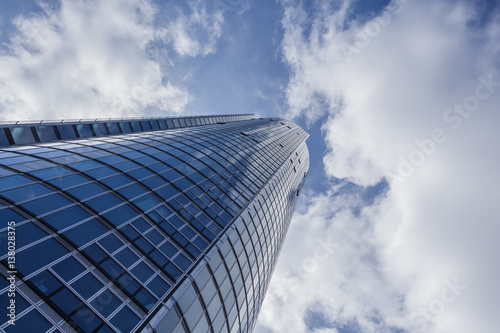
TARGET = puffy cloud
x,y
184,31
90,58
412,98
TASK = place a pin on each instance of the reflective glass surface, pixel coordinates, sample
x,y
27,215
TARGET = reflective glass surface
x,y
164,224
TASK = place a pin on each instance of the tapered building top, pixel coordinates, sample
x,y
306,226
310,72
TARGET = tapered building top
x,y
144,225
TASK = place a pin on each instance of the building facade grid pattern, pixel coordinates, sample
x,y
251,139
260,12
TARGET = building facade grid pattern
x,y
121,224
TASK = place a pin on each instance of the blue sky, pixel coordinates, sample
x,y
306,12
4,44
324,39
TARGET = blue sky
x,y
396,228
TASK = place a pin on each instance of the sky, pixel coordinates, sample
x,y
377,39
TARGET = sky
x,y
397,228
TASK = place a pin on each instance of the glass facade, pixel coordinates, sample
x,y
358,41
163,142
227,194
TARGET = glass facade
x,y
158,225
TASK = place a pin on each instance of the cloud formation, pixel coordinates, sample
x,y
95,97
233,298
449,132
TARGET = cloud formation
x,y
411,97
90,58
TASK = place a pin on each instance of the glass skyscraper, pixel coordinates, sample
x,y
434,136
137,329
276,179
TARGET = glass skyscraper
x,y
144,225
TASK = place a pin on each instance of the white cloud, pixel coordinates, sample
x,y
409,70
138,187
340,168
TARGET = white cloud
x,y
97,59
396,260
184,31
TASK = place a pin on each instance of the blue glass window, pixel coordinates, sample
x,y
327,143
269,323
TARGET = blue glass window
x,y
87,285
85,165
113,128
27,233
46,204
128,231
112,268
146,299
68,268
85,191
15,180
95,253
30,322
142,272
46,282
146,202
136,127
106,303
125,320
104,202
144,245
39,255
125,127
26,192
141,224
131,191
146,125
120,215
22,135
173,271
182,261
154,124
126,257
100,129
158,286
155,237
158,258
111,243
51,173
168,249
67,132
116,181
66,301
46,133
100,172
87,322
84,130
3,137
86,232
128,283
66,217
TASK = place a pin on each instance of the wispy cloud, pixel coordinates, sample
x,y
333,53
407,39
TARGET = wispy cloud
x,y
184,32
89,58
393,260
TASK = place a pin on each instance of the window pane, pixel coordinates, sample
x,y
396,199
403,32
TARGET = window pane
x,y
26,192
86,232
158,286
68,181
142,272
66,301
31,322
39,255
27,233
3,138
67,132
106,303
86,322
85,191
66,217
111,243
68,268
146,299
87,285
113,128
125,320
46,133
46,282
104,202
126,257
12,181
99,129
22,135
84,130
120,215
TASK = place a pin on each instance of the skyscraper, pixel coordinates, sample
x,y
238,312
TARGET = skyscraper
x,y
144,225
